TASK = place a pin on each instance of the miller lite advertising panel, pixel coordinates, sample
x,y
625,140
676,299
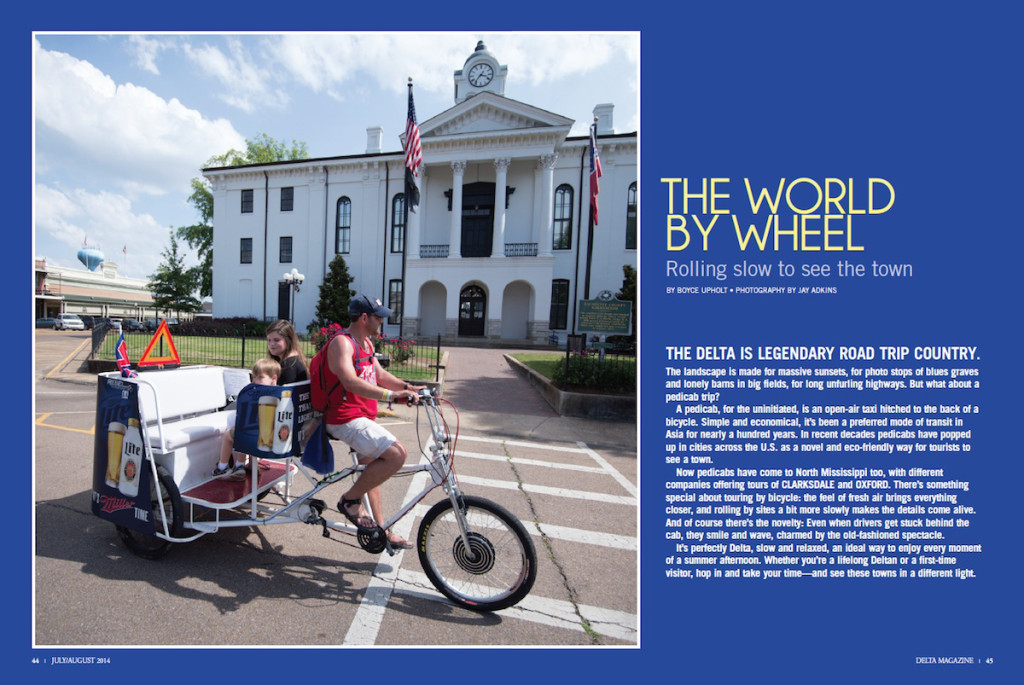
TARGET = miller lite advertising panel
x,y
121,477
269,419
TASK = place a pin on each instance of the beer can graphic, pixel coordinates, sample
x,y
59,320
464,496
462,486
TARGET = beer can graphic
x,y
283,424
131,460
115,441
266,409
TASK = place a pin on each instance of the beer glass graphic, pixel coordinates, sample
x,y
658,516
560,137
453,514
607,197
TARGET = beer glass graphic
x,y
267,408
115,441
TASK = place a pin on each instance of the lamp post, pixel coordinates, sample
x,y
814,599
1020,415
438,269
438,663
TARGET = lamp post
x,y
294,279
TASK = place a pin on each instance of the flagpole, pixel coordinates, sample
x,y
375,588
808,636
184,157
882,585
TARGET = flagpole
x,y
405,240
590,218
413,160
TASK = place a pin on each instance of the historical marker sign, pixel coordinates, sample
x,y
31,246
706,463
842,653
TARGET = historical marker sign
x,y
605,314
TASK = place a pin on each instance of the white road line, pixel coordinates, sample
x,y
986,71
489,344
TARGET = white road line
x,y
370,614
623,481
522,443
528,462
552,612
586,537
549,490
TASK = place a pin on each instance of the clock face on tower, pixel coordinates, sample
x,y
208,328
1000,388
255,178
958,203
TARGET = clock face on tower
x,y
480,75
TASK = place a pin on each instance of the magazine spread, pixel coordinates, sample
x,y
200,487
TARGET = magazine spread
x,y
826,309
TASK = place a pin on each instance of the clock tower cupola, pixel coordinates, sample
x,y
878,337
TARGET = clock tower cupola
x,y
480,73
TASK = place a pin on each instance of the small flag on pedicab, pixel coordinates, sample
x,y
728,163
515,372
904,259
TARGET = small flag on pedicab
x,y
122,359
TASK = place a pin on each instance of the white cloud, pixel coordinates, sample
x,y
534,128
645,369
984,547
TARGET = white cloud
x,y
328,62
145,50
124,131
243,83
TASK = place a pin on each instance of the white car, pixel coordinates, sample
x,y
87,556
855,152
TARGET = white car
x,y
115,324
68,322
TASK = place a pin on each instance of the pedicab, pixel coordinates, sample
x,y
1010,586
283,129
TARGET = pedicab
x,y
158,437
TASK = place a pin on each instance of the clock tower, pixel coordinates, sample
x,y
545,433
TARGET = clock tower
x,y
480,73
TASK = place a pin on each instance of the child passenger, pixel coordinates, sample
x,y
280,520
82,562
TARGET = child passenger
x,y
233,465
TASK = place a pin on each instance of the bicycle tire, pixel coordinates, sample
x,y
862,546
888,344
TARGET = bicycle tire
x,y
502,565
166,502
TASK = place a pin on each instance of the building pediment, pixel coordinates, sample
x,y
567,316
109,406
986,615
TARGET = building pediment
x,y
489,113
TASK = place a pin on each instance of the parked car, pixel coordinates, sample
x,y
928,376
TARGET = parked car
x,y
45,322
68,322
88,320
132,325
115,324
152,323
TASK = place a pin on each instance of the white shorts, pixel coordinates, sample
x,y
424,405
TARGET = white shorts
x,y
366,437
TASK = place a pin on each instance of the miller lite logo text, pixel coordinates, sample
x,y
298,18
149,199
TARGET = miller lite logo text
x,y
111,504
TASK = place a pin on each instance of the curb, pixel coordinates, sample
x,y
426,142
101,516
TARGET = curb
x,y
584,405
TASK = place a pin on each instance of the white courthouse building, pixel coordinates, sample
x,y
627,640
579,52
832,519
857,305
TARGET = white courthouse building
x,y
496,249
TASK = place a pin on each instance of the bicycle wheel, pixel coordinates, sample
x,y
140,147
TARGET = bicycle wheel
x,y
495,572
167,506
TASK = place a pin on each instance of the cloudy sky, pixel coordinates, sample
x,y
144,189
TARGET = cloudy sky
x,y
123,122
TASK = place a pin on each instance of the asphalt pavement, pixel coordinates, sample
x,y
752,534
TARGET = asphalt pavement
x,y
572,481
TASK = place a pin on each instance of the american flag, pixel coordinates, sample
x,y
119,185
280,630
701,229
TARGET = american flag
x,y
122,358
595,170
413,156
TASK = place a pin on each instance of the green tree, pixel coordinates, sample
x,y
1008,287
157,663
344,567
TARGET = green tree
x,y
199,236
335,294
173,286
628,292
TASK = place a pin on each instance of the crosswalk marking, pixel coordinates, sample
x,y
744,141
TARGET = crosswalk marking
x,y
549,490
528,462
389,576
545,610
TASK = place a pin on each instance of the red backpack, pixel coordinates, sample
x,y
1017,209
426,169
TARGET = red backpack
x,y
322,396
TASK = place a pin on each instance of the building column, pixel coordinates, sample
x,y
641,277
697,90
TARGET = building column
x,y
500,181
546,167
455,240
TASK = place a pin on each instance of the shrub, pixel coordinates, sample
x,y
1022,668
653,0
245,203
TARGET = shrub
x,y
591,373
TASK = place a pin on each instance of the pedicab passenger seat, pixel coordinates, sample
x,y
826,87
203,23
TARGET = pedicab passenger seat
x,y
185,417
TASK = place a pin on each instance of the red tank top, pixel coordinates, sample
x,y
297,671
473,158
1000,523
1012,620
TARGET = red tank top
x,y
353,406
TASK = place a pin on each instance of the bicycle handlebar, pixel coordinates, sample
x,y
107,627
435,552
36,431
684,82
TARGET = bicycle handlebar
x,y
426,396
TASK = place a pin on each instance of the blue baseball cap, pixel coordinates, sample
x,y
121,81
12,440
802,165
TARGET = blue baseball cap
x,y
365,305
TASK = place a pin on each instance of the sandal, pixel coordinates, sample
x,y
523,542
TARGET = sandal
x,y
398,542
355,519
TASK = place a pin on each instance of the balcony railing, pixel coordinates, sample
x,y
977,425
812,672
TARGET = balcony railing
x,y
511,250
433,251
520,249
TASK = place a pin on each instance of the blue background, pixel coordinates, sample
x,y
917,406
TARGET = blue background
x,y
922,94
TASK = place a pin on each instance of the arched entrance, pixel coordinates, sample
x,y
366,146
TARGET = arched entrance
x,y
472,311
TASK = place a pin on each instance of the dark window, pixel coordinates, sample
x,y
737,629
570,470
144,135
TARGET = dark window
x,y
559,304
247,201
631,217
395,301
286,249
398,223
246,257
561,238
287,199
343,227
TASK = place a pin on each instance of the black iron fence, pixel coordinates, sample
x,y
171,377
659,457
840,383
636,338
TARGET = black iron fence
x,y
409,358
591,365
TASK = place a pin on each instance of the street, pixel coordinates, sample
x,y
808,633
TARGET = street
x,y
572,482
